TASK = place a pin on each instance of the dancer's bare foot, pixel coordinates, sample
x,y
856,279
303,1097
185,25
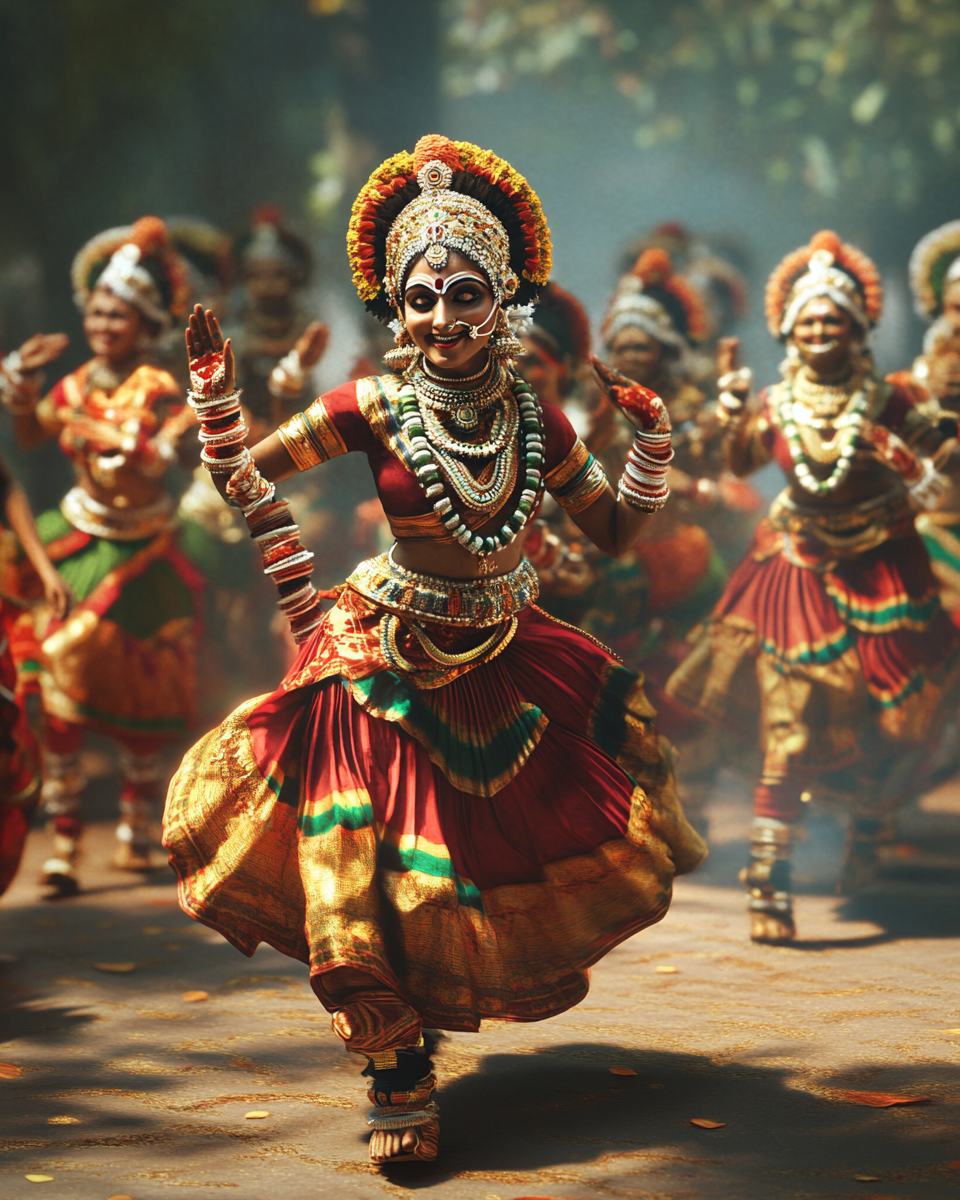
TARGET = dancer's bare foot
x,y
387,1144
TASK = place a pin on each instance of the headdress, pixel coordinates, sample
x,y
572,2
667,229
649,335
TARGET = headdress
x,y
270,239
654,298
206,250
561,326
138,264
447,196
827,268
934,263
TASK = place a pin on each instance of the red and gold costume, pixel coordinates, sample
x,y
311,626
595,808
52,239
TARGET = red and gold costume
x,y
830,631
123,660
19,756
453,804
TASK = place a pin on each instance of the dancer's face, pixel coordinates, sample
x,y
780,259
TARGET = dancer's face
x,y
824,335
634,353
113,327
439,322
951,304
944,376
267,281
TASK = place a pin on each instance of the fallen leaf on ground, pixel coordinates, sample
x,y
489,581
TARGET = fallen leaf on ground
x,y
867,1178
257,1115
121,968
39,1178
63,1120
667,970
880,1099
703,1123
622,1071
193,997
9,1071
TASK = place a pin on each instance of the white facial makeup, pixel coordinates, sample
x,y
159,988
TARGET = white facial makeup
x,y
439,287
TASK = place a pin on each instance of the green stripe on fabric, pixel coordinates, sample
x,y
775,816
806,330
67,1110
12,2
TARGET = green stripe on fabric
x,y
939,553
897,612
481,762
393,858
610,712
351,817
822,656
171,725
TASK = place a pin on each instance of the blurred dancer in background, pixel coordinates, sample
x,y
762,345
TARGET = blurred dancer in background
x,y
278,343
124,659
830,630
20,772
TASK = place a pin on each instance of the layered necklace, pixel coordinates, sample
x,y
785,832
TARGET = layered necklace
x,y
805,410
445,424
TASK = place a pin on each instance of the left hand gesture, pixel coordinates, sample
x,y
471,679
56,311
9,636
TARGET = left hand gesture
x,y
643,408
212,369
312,343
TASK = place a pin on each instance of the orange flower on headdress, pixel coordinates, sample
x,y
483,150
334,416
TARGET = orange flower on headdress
x,y
503,192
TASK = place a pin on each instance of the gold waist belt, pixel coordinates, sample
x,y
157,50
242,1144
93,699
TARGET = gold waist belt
x,y
852,530
468,602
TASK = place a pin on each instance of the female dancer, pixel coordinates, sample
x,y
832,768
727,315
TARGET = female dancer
x,y
453,804
124,660
831,625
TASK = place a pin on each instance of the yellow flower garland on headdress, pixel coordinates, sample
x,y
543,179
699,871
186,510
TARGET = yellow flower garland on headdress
x,y
518,259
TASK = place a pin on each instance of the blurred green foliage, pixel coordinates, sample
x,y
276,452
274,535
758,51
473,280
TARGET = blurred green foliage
x,y
830,94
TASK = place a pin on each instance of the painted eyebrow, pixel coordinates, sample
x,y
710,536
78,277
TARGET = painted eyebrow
x,y
439,287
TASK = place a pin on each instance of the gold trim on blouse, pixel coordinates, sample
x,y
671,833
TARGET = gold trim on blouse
x,y
311,437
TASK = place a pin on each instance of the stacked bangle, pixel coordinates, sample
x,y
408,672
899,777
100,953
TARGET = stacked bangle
x,y
285,559
643,484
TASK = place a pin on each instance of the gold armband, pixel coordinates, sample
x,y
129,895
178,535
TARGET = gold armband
x,y
311,437
578,481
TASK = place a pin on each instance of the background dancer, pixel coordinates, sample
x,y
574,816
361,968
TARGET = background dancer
x,y
124,660
830,630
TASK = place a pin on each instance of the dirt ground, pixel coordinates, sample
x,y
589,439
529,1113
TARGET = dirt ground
x,y
114,1083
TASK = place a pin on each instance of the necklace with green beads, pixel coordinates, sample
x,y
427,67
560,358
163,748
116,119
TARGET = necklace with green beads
x,y
434,481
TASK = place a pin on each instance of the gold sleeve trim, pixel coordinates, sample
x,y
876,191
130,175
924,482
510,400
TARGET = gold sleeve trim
x,y
578,481
311,437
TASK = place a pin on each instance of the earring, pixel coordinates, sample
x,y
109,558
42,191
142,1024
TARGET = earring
x,y
503,345
406,352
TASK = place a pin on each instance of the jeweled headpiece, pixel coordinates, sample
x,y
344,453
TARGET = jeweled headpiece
x,y
447,196
934,263
138,264
654,298
271,240
826,268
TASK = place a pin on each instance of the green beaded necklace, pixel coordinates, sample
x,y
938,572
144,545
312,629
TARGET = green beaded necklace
x,y
431,481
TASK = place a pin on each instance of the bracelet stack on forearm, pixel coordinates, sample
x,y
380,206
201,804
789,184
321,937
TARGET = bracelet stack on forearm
x,y
643,484
285,559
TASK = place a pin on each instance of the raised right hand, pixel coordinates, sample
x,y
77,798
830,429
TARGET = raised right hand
x,y
212,367
41,349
